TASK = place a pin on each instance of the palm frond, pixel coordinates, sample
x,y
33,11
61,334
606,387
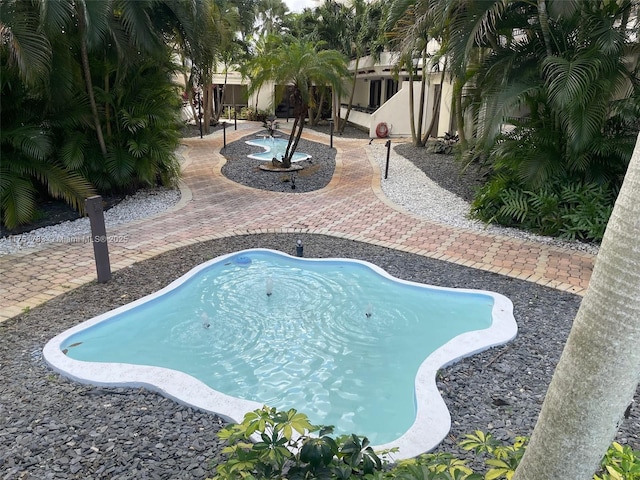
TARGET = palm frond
x,y
27,47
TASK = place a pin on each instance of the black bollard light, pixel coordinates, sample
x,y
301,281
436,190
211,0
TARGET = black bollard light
x,y
299,248
331,133
386,168
224,134
93,207
235,119
200,113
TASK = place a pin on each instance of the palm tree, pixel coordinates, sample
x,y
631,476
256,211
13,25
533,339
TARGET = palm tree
x,y
26,141
24,45
26,144
296,66
207,43
49,51
580,107
365,27
91,22
271,15
414,29
598,372
563,75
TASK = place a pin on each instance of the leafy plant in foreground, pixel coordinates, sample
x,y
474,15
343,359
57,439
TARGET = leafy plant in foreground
x,y
277,444
564,209
271,444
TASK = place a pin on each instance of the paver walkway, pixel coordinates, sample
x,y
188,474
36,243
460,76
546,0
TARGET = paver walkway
x,y
351,206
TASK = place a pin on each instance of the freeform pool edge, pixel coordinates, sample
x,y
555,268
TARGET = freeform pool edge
x,y
432,422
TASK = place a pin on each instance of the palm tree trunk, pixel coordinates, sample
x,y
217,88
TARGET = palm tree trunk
x,y
294,140
220,97
206,105
544,26
459,113
421,103
412,112
343,123
84,54
318,116
107,107
598,372
436,101
300,111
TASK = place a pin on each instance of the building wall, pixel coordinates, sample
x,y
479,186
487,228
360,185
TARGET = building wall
x,y
396,112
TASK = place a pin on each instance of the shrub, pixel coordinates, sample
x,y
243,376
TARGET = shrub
x,y
270,444
254,115
286,449
563,209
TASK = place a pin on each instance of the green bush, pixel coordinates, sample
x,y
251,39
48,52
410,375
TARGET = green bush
x,y
270,444
286,449
254,115
561,209
141,126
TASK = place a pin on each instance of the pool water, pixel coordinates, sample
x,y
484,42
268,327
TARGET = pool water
x,y
274,147
334,339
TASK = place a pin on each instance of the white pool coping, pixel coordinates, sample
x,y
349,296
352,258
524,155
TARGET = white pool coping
x,y
256,156
432,422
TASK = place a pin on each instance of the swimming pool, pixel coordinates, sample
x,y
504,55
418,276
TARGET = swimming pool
x,y
340,340
274,147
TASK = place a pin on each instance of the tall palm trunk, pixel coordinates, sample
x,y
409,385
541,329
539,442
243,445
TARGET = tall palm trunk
x,y
207,102
543,17
456,100
343,123
300,114
318,115
412,111
84,54
436,102
598,372
423,90
107,106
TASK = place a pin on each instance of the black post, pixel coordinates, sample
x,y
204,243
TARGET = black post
x,y
224,134
235,118
331,133
93,207
299,248
200,112
386,168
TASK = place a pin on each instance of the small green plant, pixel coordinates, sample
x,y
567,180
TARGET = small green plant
x,y
505,458
434,466
271,124
254,115
620,463
562,209
276,444
270,444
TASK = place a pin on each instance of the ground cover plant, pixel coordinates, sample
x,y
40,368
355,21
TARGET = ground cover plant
x,y
273,444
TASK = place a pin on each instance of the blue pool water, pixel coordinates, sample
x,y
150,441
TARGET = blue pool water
x,y
274,147
338,340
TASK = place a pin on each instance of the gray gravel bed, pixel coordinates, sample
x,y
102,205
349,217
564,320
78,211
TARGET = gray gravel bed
x,y
432,186
444,170
316,174
143,204
52,427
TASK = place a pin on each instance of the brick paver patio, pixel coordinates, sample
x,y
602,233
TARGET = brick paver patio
x,y
351,206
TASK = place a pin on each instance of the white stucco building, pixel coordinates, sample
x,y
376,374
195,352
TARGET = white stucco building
x,y
381,97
